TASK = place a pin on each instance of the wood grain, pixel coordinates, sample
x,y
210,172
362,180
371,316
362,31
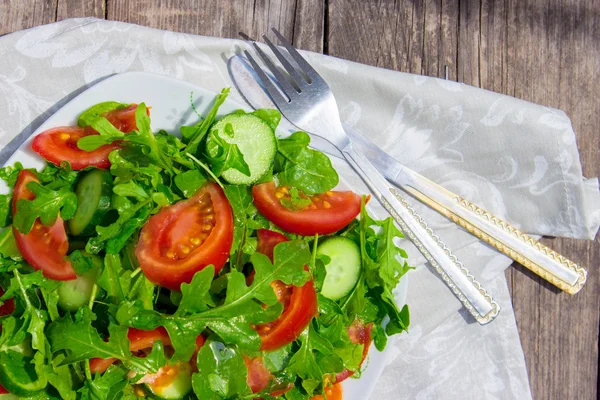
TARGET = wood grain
x,y
547,52
16,15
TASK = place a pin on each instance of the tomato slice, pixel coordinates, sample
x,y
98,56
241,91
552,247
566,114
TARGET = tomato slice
x,y
359,333
44,247
184,238
60,144
327,213
3,390
300,303
124,118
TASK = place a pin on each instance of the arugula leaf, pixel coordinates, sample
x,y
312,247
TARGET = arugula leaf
x,y
10,174
243,307
107,386
144,137
107,135
5,210
246,219
88,116
221,372
224,155
81,342
114,279
120,230
193,135
189,182
46,206
303,168
271,116
296,202
8,245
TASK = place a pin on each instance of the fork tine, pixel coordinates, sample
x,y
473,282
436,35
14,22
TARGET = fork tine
x,y
310,71
273,92
284,61
282,81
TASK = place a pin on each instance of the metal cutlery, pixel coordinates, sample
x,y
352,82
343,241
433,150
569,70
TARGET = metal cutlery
x,y
522,248
304,98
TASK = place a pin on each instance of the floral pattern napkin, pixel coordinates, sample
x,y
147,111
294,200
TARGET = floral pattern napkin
x,y
517,159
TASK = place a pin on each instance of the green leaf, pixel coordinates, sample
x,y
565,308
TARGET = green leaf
x,y
114,278
107,135
223,155
303,168
81,342
5,210
81,262
88,116
107,386
10,174
221,374
46,206
189,182
194,135
243,307
271,116
296,202
130,189
8,245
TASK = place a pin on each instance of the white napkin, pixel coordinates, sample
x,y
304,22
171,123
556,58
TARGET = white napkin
x,y
516,159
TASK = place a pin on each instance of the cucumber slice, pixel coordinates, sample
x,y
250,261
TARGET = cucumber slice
x,y
94,191
171,382
72,295
18,374
256,141
343,269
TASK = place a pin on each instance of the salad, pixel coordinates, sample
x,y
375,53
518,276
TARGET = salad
x,y
219,263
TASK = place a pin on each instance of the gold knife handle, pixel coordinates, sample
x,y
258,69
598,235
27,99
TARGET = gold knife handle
x,y
541,260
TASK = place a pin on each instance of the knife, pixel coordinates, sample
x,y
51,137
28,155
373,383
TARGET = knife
x,y
522,248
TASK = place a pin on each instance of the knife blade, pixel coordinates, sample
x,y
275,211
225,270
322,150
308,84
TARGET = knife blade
x,y
246,81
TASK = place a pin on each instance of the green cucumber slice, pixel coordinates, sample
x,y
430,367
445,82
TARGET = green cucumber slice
x,y
18,374
178,387
256,141
94,191
72,295
343,270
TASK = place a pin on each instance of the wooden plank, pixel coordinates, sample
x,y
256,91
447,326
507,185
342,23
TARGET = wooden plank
x,y
16,14
551,59
309,25
211,17
77,8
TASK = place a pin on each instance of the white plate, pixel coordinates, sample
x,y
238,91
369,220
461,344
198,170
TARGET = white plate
x,y
170,102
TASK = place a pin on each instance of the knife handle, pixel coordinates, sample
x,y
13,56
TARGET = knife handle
x,y
543,261
466,288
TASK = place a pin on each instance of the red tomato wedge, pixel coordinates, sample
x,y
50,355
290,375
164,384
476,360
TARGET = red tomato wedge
x,y
3,390
7,308
44,247
359,333
328,212
140,340
60,144
184,238
300,303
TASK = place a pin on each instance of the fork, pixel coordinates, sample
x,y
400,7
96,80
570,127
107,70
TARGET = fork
x,y
306,100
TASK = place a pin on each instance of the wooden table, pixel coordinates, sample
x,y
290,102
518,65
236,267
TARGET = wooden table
x,y
547,52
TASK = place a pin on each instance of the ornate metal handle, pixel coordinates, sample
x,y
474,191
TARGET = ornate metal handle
x,y
470,292
541,260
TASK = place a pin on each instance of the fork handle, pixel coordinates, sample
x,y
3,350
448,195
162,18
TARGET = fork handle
x,y
466,288
555,268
